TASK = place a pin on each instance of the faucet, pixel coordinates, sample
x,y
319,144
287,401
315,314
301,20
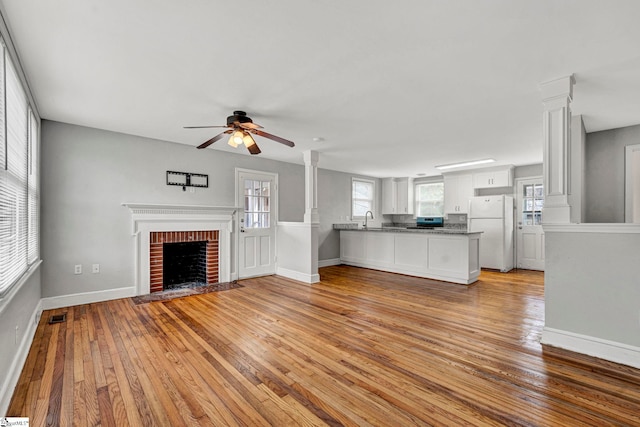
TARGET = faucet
x,y
366,216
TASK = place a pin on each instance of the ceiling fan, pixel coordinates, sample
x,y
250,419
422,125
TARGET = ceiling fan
x,y
240,127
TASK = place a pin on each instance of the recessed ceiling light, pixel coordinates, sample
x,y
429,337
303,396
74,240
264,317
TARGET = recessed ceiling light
x,y
318,139
463,164
421,174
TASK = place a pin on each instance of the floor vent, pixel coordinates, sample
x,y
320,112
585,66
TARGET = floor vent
x,y
58,318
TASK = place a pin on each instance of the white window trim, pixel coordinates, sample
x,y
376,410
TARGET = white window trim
x,y
373,201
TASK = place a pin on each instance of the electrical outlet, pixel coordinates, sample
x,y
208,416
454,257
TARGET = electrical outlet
x,y
77,269
17,334
95,268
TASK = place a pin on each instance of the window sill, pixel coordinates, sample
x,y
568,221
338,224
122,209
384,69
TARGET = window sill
x,y
7,295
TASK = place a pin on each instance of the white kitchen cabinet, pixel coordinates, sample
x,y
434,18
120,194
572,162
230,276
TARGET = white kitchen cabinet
x,y
389,197
458,189
493,178
441,256
352,247
404,195
397,196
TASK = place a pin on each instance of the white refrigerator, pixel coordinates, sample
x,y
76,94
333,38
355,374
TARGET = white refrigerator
x,y
493,215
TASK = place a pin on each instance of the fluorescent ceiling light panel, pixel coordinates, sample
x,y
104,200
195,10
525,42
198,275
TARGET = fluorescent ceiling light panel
x,y
463,164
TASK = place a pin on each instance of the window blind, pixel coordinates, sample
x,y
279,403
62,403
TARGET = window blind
x,y
18,181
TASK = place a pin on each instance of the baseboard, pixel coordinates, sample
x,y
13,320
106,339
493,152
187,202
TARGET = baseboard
x,y
296,275
328,262
86,298
603,349
20,358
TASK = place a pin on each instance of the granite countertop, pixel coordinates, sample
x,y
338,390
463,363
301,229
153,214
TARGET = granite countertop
x,y
443,230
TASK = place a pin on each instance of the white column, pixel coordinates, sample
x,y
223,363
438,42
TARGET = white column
x,y
556,98
311,186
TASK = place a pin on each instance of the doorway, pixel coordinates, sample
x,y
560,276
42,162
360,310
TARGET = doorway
x,y
632,184
256,194
529,232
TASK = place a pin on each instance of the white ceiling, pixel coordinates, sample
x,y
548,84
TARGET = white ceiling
x,y
392,88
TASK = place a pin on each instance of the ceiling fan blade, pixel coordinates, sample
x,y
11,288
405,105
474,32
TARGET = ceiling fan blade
x,y
273,137
214,139
249,125
202,127
253,149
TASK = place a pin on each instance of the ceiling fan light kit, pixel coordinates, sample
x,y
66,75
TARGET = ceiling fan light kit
x,y
240,127
236,139
248,140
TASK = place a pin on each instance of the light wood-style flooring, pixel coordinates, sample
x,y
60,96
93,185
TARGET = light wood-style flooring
x,y
359,348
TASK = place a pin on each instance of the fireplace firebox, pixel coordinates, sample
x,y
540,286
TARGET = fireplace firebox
x,y
180,257
184,264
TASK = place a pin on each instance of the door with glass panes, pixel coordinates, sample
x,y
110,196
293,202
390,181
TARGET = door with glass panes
x,y
529,233
257,223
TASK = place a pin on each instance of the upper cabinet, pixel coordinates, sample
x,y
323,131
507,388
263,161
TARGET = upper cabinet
x,y
404,195
389,197
458,189
493,177
397,196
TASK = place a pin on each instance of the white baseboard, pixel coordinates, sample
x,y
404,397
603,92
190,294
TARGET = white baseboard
x,y
296,275
19,359
86,298
328,262
592,346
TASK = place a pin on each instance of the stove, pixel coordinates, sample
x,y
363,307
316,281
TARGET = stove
x,y
428,223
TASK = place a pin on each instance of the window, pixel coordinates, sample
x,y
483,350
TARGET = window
x,y
362,197
257,195
532,204
19,198
429,199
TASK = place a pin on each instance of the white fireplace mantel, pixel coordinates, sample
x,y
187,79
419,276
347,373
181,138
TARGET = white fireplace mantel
x,y
148,218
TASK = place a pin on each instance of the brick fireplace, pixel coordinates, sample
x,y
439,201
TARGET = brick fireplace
x,y
157,242
179,223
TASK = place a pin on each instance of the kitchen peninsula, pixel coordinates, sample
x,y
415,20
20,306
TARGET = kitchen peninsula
x,y
442,254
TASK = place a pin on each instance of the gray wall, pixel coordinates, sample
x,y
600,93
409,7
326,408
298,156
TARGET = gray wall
x,y
334,206
88,173
18,323
604,186
528,171
591,285
86,176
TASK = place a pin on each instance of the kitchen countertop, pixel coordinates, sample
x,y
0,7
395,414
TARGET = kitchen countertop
x,y
412,230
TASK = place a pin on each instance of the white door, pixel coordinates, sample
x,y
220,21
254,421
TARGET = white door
x,y
257,194
529,233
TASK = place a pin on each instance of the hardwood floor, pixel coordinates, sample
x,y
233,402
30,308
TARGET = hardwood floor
x,y
360,348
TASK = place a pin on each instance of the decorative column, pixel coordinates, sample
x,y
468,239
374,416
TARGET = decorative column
x,y
556,98
311,186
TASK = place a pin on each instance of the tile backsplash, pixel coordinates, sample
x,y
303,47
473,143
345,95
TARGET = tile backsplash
x,y
457,221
